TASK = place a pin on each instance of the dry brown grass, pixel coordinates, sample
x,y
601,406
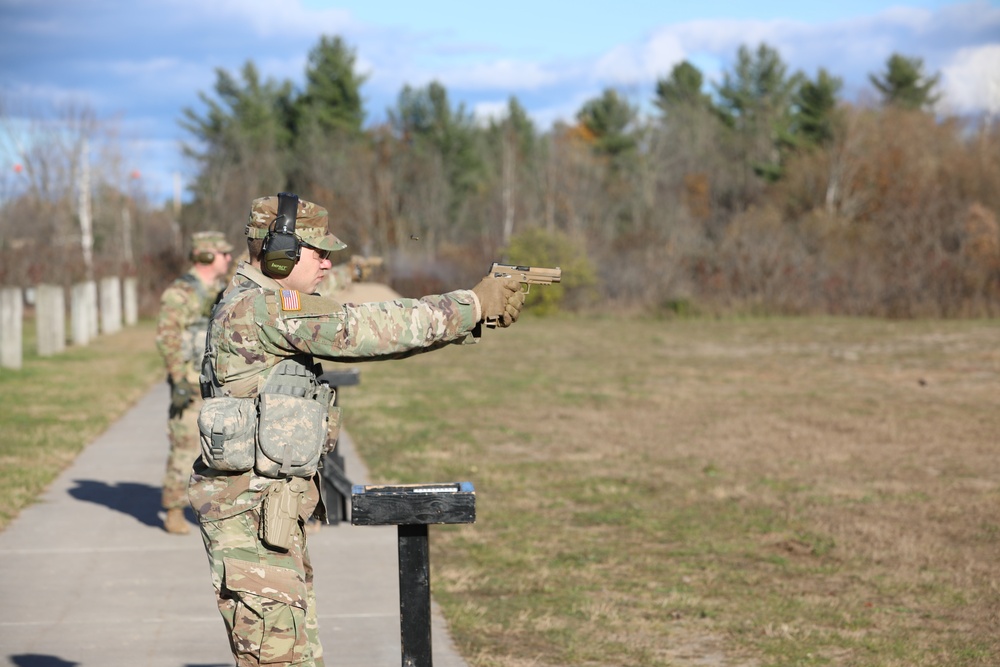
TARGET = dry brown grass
x,y
708,492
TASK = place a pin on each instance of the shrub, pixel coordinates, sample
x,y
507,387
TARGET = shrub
x,y
538,247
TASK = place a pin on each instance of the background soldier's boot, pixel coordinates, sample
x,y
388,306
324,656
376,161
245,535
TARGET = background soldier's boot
x,y
175,522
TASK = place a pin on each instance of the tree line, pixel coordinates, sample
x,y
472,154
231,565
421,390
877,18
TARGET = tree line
x,y
764,192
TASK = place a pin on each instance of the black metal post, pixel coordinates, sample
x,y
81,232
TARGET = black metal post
x,y
415,596
411,508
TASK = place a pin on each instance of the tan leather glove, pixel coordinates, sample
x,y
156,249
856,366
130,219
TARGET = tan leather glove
x,y
500,299
514,304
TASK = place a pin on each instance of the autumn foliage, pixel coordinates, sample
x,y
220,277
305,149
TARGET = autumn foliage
x,y
765,193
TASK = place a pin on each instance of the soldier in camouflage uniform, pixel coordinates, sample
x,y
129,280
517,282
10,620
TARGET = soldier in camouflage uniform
x,y
185,307
264,590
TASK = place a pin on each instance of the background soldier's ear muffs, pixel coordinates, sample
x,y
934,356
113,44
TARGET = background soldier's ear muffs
x,y
281,247
203,257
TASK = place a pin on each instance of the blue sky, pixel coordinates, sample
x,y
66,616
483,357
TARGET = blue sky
x,y
140,63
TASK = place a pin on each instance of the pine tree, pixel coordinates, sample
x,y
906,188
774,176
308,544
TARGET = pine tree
x,y
682,89
608,119
756,102
251,111
905,85
241,142
424,119
332,97
816,104
512,141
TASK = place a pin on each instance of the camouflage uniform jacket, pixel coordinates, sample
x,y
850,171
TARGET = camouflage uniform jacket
x,y
255,330
185,307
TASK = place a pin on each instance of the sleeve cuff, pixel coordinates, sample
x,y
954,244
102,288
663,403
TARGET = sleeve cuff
x,y
478,307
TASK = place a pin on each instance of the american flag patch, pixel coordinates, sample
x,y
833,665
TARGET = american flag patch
x,y
290,300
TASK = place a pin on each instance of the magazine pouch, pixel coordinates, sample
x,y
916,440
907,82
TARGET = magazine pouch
x,y
292,428
228,428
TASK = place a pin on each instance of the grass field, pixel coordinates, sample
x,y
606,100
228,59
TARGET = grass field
x,y
54,406
689,492
707,492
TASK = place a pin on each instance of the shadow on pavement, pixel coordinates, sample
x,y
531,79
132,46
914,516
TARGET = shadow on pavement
x,y
140,501
35,660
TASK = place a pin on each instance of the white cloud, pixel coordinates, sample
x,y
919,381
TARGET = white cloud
x,y
504,74
850,49
713,40
142,68
971,80
662,52
623,64
23,98
564,110
546,117
487,111
912,18
727,35
285,20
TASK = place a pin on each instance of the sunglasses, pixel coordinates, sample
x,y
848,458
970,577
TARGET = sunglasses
x,y
322,254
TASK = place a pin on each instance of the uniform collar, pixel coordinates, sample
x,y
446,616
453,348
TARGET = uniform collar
x,y
257,276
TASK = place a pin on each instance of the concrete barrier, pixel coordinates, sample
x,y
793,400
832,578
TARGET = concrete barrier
x,y
93,328
111,305
50,319
130,298
11,327
81,313
86,320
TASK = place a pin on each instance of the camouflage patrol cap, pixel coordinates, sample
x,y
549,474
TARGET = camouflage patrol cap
x,y
209,242
310,223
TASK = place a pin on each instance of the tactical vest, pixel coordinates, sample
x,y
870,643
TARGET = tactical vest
x,y
282,432
196,332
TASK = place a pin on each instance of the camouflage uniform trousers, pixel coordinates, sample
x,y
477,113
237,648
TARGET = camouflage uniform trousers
x,y
266,597
185,447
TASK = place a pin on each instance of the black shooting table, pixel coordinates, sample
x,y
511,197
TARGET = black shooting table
x,y
336,485
412,507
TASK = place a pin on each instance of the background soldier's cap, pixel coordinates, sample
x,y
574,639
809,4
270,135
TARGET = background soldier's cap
x,y
209,242
310,223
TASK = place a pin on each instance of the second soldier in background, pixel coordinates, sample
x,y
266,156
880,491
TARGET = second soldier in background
x,y
185,308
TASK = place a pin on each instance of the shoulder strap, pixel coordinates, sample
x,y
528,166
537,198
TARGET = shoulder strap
x,y
210,385
199,286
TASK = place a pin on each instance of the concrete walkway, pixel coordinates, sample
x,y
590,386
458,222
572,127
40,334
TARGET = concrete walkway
x,y
89,578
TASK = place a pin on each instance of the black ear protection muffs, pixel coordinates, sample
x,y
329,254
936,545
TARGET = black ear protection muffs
x,y
203,257
281,246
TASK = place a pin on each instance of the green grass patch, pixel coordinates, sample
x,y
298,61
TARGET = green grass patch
x,y
52,407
